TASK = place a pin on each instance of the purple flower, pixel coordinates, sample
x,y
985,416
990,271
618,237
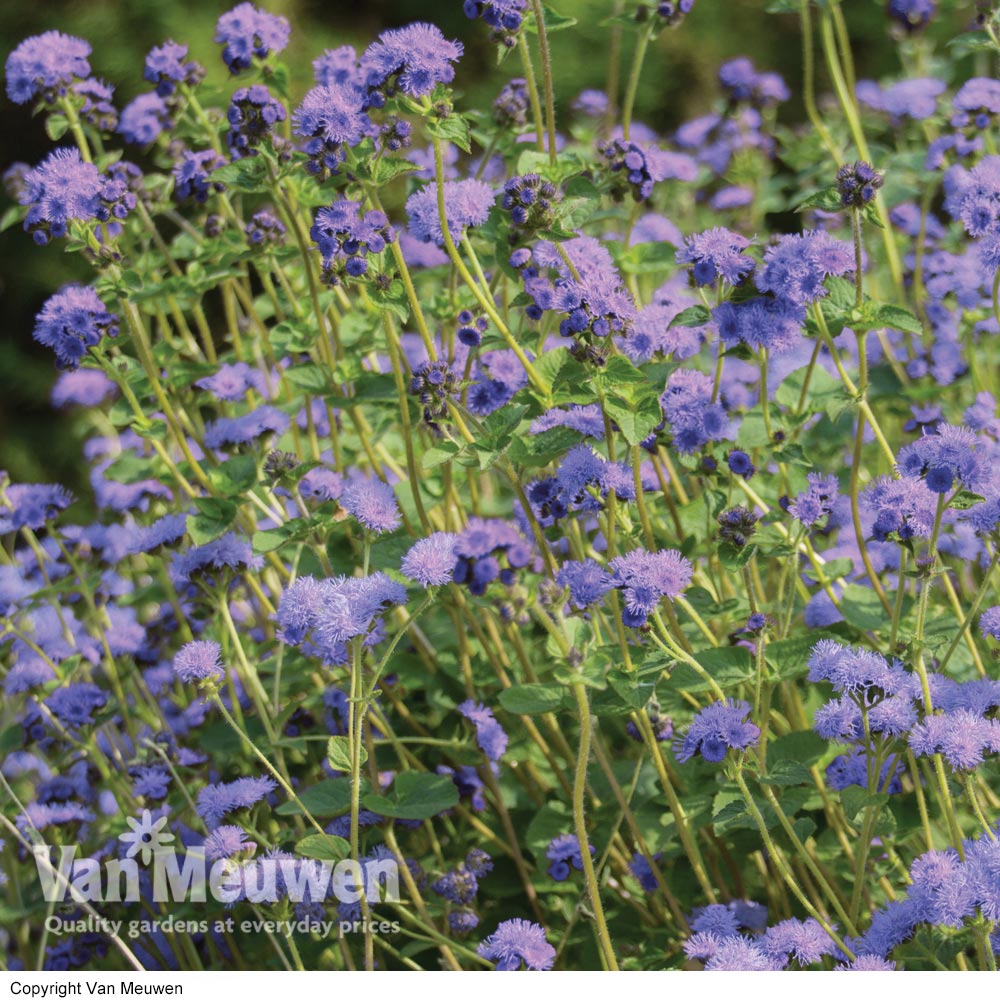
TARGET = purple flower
x,y
82,386
373,503
247,428
948,456
143,119
71,322
44,65
247,31
232,381
336,67
412,59
564,852
225,841
75,704
199,661
796,266
503,16
264,229
687,405
166,67
739,464
330,118
346,238
215,801
587,581
60,189
915,99
989,622
30,505
646,577
252,115
516,941
431,561
720,727
911,15
717,253
490,736
96,108
191,175
228,552
742,83
467,203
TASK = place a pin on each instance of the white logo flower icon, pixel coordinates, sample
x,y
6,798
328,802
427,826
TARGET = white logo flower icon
x,y
146,837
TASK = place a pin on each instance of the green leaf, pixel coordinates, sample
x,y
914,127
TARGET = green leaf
x,y
786,772
213,519
454,129
415,795
329,798
854,798
637,418
533,699
648,258
862,608
312,378
338,753
790,657
692,316
554,21
235,476
388,169
248,175
323,847
824,393
965,499
897,318
828,200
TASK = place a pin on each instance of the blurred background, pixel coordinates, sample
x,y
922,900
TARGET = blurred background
x,y
678,83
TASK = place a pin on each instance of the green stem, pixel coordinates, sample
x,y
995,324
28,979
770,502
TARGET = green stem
x,y
580,826
550,104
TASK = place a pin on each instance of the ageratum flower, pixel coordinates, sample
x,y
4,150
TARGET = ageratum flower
x,y
247,31
720,727
916,99
510,107
948,456
31,505
167,65
199,661
743,84
764,323
530,202
232,381
336,67
564,852
226,841
989,622
798,264
216,801
816,501
346,238
503,16
143,119
904,507
71,322
62,188
490,736
373,503
467,203
252,115
43,66
247,428
976,103
857,184
432,560
911,15
717,253
687,405
265,229
413,60
674,11
515,942
331,119
83,387
637,168
227,552
95,104
587,581
74,704
645,578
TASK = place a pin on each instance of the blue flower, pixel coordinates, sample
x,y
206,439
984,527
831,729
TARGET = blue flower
x,y
44,65
720,727
412,59
373,503
431,561
247,31
143,119
516,941
717,253
467,203
564,852
199,661
215,801
167,65
71,322
489,733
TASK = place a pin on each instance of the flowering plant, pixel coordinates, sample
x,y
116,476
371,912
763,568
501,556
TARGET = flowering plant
x,y
453,509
